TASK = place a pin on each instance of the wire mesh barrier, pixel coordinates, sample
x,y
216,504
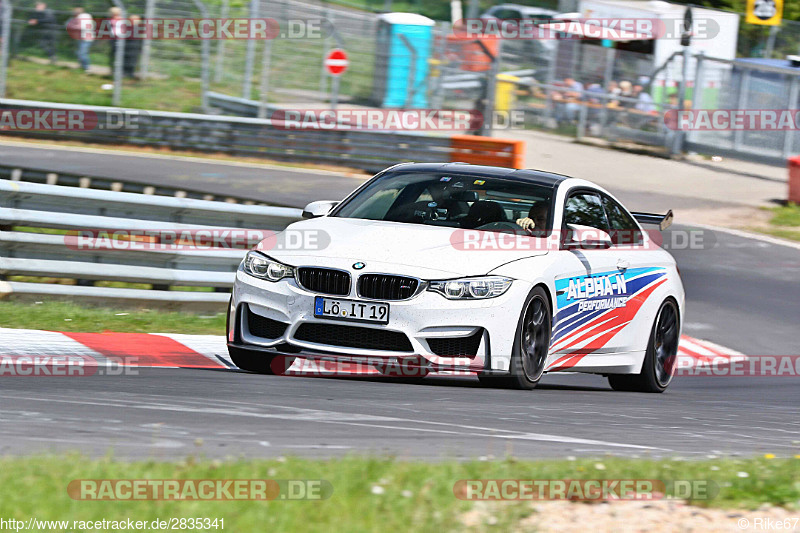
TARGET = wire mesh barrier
x,y
404,60
769,41
744,87
595,113
53,34
289,68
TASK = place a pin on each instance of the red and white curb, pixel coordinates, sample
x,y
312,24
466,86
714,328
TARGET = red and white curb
x,y
172,350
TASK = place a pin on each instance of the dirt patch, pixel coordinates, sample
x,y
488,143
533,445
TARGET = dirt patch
x,y
740,217
630,516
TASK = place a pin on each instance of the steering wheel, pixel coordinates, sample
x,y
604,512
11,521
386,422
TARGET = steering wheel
x,y
500,226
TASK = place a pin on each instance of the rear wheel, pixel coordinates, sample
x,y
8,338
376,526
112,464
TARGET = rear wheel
x,y
660,357
531,345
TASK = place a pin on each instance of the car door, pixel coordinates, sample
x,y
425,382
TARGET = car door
x,y
636,262
590,289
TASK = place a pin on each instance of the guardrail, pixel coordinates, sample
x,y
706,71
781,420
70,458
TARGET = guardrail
x,y
251,137
237,106
33,243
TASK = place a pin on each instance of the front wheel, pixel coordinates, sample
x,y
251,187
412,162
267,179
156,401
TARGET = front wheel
x,y
531,345
660,357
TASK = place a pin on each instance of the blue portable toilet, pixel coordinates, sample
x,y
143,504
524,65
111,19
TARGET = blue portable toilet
x,y
393,60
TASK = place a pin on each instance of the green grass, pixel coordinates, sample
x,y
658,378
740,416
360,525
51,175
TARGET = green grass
x,y
415,496
785,222
64,316
295,66
787,215
30,81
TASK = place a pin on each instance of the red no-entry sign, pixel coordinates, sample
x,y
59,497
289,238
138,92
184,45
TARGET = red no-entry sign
x,y
336,62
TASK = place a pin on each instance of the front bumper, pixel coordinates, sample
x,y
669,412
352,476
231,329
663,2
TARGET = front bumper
x,y
425,317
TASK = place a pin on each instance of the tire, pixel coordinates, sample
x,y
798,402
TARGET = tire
x,y
531,345
260,362
659,358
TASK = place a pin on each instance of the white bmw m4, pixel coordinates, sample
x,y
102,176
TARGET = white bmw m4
x,y
510,274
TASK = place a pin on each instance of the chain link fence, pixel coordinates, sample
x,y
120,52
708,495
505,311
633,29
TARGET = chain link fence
x,y
769,41
290,68
742,85
456,72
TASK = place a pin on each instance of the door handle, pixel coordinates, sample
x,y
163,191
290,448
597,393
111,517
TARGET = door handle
x,y
623,264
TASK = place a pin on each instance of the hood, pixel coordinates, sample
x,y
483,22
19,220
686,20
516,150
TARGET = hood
x,y
426,252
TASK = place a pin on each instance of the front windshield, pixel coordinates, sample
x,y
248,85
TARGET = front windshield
x,y
454,200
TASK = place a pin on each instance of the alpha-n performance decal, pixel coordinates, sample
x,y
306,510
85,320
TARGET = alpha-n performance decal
x,y
582,299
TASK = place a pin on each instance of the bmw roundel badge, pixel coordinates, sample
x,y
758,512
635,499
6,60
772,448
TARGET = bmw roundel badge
x,y
359,265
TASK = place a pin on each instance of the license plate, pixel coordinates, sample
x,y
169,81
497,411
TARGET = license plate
x,y
354,310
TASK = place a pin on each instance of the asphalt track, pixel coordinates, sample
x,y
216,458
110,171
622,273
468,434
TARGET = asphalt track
x,y
277,185
743,293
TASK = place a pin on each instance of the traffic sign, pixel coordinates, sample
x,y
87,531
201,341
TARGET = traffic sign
x,y
336,62
764,12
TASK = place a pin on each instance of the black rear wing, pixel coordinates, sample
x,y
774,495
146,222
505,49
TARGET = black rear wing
x,y
662,221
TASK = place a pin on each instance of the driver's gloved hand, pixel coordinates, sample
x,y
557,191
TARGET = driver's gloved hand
x,y
526,223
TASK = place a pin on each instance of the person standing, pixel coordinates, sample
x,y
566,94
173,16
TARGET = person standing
x,y
81,28
44,22
115,21
133,48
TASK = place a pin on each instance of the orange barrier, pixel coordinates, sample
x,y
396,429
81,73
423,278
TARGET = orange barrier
x,y
794,179
479,150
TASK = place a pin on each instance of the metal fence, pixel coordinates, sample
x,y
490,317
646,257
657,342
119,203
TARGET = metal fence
x,y
290,67
34,245
768,41
723,84
146,58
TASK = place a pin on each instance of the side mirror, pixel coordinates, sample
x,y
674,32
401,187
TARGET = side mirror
x,y
319,208
586,238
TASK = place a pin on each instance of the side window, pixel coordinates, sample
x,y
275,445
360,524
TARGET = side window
x,y
585,209
540,19
507,14
624,230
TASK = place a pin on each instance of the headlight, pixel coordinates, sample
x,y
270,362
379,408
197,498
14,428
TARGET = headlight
x,y
471,288
263,267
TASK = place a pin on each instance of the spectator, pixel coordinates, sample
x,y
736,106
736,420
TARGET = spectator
x,y
672,99
81,27
133,49
613,90
644,102
44,22
593,92
568,100
625,91
116,21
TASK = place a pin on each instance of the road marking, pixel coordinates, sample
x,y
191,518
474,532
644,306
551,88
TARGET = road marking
x,y
341,418
151,350
172,350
